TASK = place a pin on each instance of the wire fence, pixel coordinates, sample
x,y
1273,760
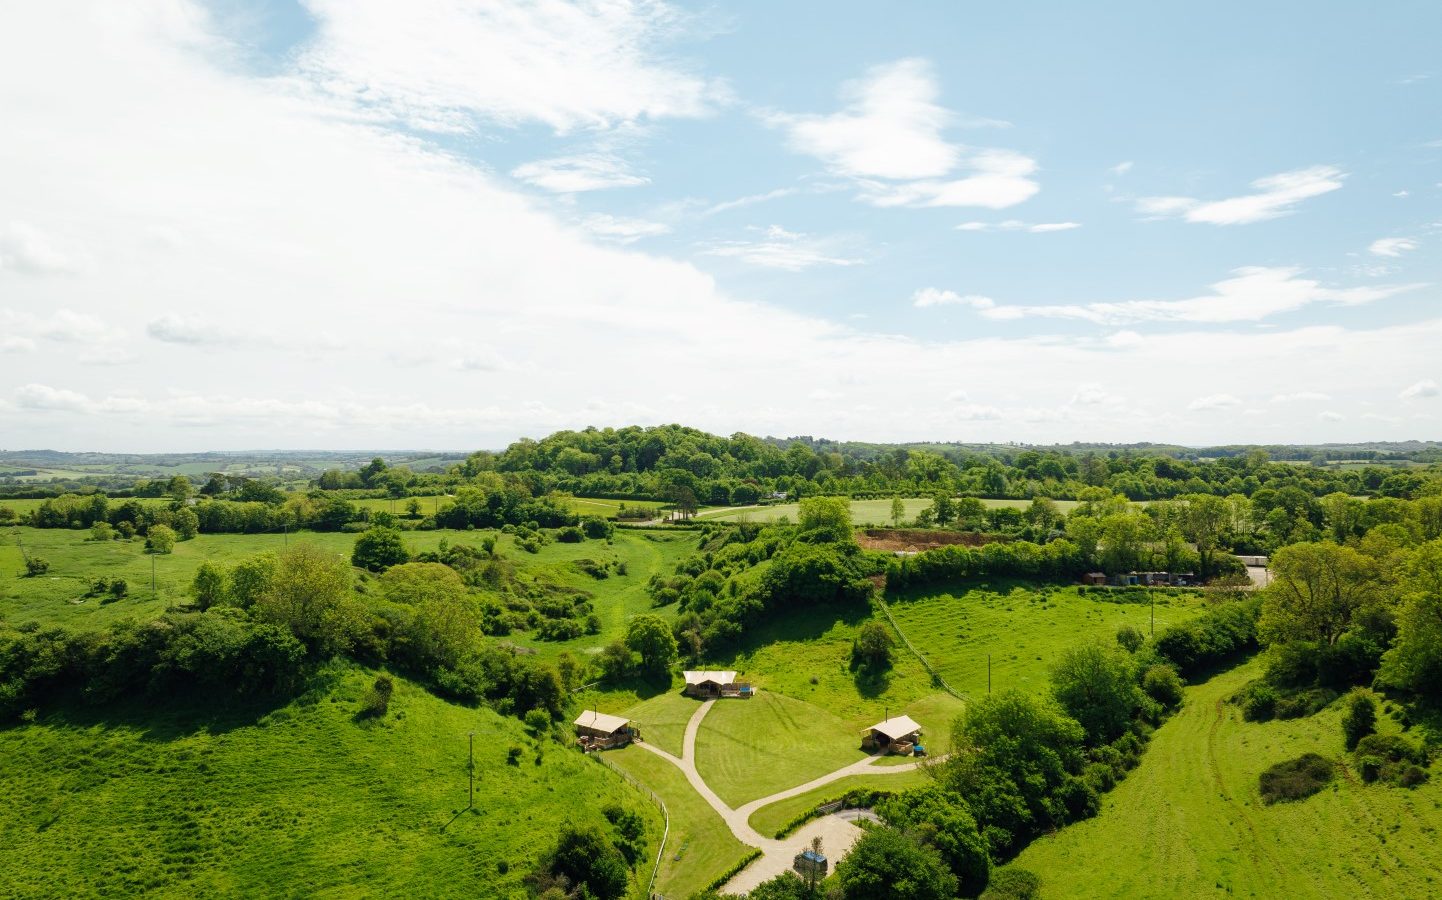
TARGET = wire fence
x,y
665,816
936,677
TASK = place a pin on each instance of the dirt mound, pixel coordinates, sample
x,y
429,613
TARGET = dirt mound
x,y
915,540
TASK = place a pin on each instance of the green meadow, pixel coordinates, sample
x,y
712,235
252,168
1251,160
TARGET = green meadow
x,y
1189,821
1021,627
863,512
167,801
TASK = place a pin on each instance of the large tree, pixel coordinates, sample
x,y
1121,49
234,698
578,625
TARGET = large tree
x,y
1095,686
651,637
309,591
885,864
1317,590
1204,524
1414,663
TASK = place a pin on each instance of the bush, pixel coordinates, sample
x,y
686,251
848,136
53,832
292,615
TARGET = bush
x,y
1130,639
570,535
1391,758
1013,883
1162,683
872,647
1360,719
1258,701
1296,779
1304,703
538,721
377,700
35,566
513,755
597,528
378,549
160,539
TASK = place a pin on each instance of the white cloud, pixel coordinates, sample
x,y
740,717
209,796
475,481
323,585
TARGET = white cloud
x,y
1395,246
1301,397
889,137
778,248
1121,168
1424,388
622,229
44,397
1214,402
1402,193
1276,195
930,296
444,64
573,174
1091,394
1330,415
750,200
1253,293
177,329
1018,225
28,250
12,343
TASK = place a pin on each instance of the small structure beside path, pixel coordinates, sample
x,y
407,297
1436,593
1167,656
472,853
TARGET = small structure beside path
x,y
601,731
900,735
710,684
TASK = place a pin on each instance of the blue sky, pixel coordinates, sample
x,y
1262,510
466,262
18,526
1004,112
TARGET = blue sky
x,y
448,224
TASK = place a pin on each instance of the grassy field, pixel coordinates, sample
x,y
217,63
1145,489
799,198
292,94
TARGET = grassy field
x,y
751,748
774,816
1021,626
297,801
1189,821
57,597
24,506
662,718
863,512
701,848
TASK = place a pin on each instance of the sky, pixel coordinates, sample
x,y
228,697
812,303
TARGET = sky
x,y
360,224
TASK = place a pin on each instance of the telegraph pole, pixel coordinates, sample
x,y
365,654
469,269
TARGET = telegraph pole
x,y
153,591
471,768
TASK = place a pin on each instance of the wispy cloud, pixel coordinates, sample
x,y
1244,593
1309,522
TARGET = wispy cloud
x,y
1424,388
574,174
1253,294
889,137
1018,225
1121,168
1276,195
1394,246
750,200
441,65
1300,397
930,296
623,229
778,248
29,250
1212,402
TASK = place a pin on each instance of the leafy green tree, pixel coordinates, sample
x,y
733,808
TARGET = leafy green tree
x,y
885,864
943,822
309,592
586,858
186,523
377,549
1130,639
1204,524
249,579
1317,590
1360,717
943,510
36,566
898,511
1042,513
1095,686
651,637
1162,683
160,539
872,648
208,586
825,520
1414,661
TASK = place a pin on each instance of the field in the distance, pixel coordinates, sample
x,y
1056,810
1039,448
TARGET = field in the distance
x,y
1189,821
863,512
1022,627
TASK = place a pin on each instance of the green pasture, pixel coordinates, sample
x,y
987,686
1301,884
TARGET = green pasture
x,y
1021,626
1189,822
772,817
301,800
24,506
75,562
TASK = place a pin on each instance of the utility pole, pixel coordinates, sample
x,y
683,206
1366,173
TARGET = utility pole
x,y
153,591
471,767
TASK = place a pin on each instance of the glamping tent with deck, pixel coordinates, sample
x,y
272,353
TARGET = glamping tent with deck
x,y
599,731
711,684
899,735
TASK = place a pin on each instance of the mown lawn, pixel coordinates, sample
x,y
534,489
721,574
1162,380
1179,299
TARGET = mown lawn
x,y
701,848
774,816
1022,626
301,800
748,749
1189,822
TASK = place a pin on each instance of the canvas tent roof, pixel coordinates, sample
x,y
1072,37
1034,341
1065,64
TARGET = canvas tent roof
x,y
601,721
709,675
898,727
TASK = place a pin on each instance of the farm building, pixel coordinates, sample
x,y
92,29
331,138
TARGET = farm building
x,y
1253,561
710,683
1095,579
899,734
599,731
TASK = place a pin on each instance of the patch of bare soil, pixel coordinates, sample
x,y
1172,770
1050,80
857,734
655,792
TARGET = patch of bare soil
x,y
915,540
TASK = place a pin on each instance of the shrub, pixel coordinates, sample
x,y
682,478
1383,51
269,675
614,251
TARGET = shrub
x,y
886,862
1258,701
160,539
1360,719
377,700
119,588
570,535
588,860
1130,639
35,566
596,527
1304,703
872,647
513,755
538,721
1296,779
378,549
1162,683
1013,884
1390,758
